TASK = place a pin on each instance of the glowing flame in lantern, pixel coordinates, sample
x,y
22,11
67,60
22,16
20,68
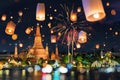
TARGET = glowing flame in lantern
x,y
82,37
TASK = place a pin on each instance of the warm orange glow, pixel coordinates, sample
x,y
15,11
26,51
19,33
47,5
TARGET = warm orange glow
x,y
79,9
10,28
53,39
28,30
97,46
20,13
110,29
73,16
14,36
116,33
4,17
59,34
78,45
82,37
49,25
94,10
51,17
107,4
40,12
96,15
113,12
52,31
20,45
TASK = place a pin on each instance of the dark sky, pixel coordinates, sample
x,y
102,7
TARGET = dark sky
x,y
100,33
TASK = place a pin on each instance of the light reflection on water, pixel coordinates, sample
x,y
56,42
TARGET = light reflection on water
x,y
72,75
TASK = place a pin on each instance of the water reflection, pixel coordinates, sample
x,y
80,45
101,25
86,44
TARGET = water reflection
x,y
19,74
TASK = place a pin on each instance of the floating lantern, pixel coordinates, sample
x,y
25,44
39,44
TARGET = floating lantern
x,y
49,25
97,46
55,10
40,12
94,10
14,36
51,17
20,13
51,31
59,33
113,12
10,28
116,33
28,30
73,16
20,45
82,37
3,18
79,9
107,4
78,45
110,29
53,39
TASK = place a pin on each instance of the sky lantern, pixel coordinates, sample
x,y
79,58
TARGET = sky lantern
x,y
97,46
113,12
20,45
20,13
73,16
40,12
4,17
82,37
94,10
107,4
116,33
53,39
79,9
14,37
28,30
51,17
78,45
10,28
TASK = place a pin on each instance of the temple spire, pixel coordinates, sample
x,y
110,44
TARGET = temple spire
x,y
16,51
38,39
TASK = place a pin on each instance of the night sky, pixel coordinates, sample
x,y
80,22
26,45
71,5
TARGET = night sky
x,y
106,32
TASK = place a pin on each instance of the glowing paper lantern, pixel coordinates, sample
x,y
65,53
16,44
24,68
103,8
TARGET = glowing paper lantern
x,y
116,33
20,45
3,18
53,39
82,37
97,46
93,9
78,45
14,36
51,17
20,13
73,16
107,4
28,30
40,12
79,9
113,12
10,28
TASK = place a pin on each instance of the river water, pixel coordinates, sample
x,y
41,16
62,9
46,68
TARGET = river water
x,y
94,74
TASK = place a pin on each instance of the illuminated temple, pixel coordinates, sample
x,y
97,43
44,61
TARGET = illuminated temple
x,y
37,51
